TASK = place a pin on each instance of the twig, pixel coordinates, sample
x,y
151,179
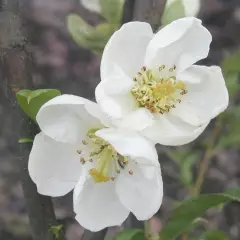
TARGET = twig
x,y
206,160
17,71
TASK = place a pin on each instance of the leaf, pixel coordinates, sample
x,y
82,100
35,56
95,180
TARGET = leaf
x,y
86,36
112,10
172,12
215,235
31,101
231,62
78,29
25,140
56,229
131,234
192,209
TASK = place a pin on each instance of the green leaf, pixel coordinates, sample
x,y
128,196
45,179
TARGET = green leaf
x,y
56,229
86,36
25,140
172,12
31,101
131,234
215,235
78,29
231,62
193,208
112,10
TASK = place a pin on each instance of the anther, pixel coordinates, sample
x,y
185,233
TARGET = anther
x,y
82,160
183,92
90,160
118,171
79,151
144,68
130,172
161,67
179,100
84,142
112,178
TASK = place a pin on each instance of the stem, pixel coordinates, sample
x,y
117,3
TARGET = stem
x,y
206,160
148,229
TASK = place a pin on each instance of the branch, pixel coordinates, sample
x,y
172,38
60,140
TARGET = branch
x,y
149,11
16,62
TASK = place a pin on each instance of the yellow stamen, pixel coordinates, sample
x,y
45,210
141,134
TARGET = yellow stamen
x,y
158,94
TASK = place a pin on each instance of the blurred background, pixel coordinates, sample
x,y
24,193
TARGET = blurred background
x,y
60,62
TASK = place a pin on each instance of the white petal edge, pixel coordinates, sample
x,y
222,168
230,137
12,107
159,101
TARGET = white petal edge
x,y
97,205
207,95
66,118
54,167
141,195
130,143
126,49
115,106
182,43
171,131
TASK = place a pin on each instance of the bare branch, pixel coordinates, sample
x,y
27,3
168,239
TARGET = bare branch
x,y
16,64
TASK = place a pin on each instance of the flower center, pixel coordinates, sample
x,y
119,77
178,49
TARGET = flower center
x,y
157,92
106,161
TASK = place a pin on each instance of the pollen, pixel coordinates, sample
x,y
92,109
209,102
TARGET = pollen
x,y
105,162
97,176
156,91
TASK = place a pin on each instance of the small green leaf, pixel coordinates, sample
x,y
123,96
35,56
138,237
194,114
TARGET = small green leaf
x,y
131,234
174,11
25,140
86,36
56,229
31,101
112,10
193,208
78,29
215,235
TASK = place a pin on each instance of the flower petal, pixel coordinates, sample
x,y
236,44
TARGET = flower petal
x,y
172,131
207,95
141,195
181,43
67,118
129,143
97,205
54,167
116,103
137,120
126,49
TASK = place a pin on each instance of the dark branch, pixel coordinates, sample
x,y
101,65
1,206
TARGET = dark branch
x,y
149,11
16,63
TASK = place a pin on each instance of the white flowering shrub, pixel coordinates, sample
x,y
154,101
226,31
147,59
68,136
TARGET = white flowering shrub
x,y
152,93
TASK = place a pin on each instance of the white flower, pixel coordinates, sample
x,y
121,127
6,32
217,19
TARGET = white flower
x,y
150,85
112,171
92,5
191,7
